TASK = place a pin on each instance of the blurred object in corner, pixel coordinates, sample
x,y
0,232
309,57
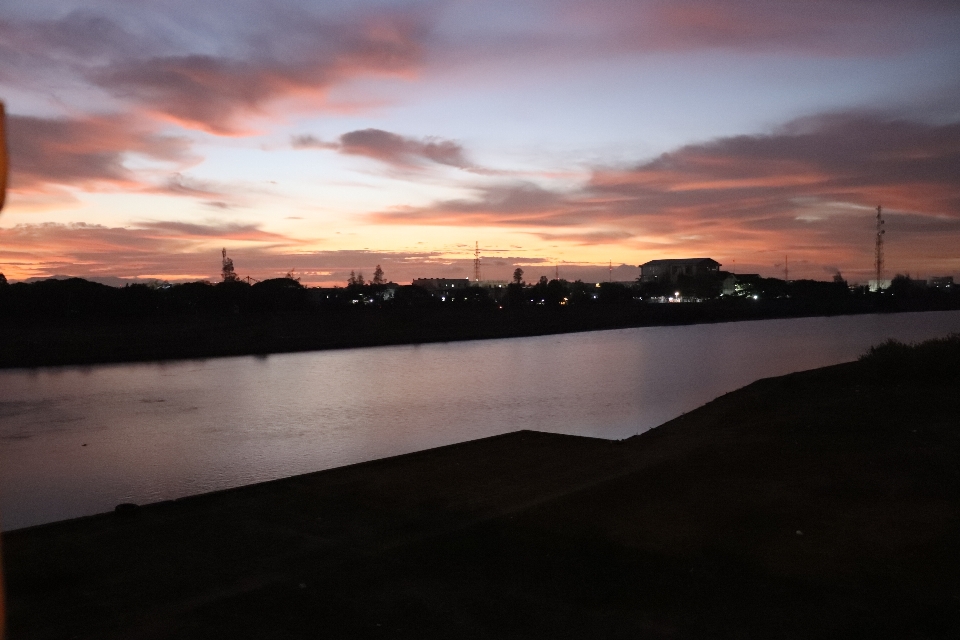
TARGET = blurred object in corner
x,y
3,195
3,155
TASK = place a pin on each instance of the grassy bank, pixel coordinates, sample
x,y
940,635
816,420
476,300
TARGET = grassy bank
x,y
819,504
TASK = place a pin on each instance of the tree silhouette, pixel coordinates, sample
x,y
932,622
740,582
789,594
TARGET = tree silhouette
x,y
517,275
229,275
352,280
377,276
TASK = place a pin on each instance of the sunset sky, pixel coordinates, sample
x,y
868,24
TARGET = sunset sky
x,y
334,136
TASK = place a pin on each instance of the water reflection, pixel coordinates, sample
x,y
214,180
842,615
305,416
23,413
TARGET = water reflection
x,y
75,441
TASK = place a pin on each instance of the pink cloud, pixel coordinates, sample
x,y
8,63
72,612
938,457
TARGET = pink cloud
x,y
87,152
808,188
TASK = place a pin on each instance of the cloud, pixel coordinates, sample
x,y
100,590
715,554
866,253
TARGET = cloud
x,y
510,204
808,187
222,231
85,152
308,141
289,59
854,158
176,250
394,149
816,164
399,151
817,27
147,249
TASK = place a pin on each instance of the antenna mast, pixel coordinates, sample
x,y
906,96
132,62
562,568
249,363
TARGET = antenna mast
x,y
476,262
878,251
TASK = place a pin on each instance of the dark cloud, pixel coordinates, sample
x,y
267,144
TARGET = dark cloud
x,y
807,168
819,27
307,141
393,149
295,59
399,150
82,35
858,159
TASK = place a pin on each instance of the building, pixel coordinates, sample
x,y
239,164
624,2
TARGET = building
x,y
440,285
669,270
940,282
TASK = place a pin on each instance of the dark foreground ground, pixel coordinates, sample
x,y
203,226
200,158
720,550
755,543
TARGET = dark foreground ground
x,y
819,504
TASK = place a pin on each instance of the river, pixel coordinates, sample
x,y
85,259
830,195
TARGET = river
x,y
78,440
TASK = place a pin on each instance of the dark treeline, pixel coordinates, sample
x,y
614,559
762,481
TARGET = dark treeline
x,y
74,321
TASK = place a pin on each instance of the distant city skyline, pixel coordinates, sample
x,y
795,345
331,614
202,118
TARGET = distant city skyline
x,y
328,137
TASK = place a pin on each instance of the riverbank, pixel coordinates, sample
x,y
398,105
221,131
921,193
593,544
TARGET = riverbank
x,y
819,504
93,339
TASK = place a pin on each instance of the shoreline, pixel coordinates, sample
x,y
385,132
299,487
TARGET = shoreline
x,y
819,503
28,358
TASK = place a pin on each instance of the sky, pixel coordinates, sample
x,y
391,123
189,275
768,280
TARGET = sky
x,y
558,136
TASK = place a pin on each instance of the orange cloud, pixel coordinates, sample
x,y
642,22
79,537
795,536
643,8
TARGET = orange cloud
x,y
143,249
178,250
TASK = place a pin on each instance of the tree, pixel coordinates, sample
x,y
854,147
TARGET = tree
x,y
352,280
229,275
360,281
377,276
518,275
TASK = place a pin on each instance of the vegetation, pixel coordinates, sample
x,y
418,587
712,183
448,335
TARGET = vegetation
x,y
74,321
937,359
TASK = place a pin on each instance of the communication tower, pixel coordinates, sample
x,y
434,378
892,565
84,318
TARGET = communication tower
x,y
878,250
476,262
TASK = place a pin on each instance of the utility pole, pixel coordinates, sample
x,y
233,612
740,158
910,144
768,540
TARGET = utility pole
x,y
476,262
556,272
610,278
786,268
878,250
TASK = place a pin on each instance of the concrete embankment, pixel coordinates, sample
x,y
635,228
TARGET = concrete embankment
x,y
818,504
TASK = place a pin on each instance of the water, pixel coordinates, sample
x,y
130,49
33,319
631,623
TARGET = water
x,y
79,440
